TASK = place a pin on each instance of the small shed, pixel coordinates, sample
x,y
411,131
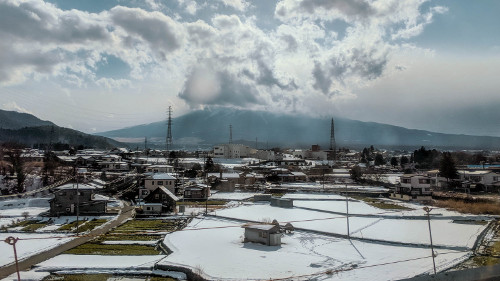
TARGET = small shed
x,y
281,202
267,234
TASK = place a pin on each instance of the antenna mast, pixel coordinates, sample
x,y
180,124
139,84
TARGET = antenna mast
x,y
169,142
333,145
230,134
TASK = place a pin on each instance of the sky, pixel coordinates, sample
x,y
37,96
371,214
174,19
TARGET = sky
x,y
101,65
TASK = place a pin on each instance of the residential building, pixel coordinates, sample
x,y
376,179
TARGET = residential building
x,y
70,198
161,179
161,195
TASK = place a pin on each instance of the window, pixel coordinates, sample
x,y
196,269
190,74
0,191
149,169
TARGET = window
x,y
157,196
148,208
160,182
163,196
152,182
263,234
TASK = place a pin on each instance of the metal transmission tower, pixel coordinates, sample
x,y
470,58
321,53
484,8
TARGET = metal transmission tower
x,y
333,145
169,142
230,134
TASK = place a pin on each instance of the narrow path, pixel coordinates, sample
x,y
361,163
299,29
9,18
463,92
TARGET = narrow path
x,y
126,213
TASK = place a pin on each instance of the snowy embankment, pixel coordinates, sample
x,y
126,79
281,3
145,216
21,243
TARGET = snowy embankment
x,y
97,264
238,196
222,255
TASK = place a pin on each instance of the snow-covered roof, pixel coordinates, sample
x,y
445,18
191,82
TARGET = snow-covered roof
x,y
74,186
162,176
225,175
265,227
164,189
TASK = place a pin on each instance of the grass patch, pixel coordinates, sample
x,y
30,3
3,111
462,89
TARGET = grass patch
x,y
71,225
477,208
34,226
91,225
24,223
129,237
146,225
480,261
380,204
112,250
78,277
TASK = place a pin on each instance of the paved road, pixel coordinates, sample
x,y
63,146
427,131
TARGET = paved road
x,y
126,212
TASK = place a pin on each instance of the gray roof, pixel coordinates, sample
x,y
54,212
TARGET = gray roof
x,y
164,189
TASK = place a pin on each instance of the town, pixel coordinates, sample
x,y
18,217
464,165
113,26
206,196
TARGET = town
x,y
233,211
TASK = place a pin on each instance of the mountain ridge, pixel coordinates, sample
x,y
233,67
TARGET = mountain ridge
x,y
30,130
211,126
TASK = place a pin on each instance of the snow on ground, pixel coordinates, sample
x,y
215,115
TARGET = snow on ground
x,y
98,262
17,207
355,207
233,195
313,196
445,232
319,186
25,248
301,253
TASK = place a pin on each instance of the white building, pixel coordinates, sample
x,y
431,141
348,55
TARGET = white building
x,y
163,179
160,169
232,150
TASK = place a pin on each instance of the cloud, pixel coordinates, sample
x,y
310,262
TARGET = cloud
x,y
239,5
162,33
204,87
13,106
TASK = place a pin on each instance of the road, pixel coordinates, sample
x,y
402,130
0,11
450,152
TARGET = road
x,y
126,213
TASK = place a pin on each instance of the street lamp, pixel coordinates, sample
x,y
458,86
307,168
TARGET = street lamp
x,y
428,210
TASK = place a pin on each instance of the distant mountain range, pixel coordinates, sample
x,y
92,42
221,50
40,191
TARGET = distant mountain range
x,y
29,130
211,126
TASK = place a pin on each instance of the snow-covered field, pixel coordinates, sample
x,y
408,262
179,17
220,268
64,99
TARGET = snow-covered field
x,y
412,231
30,244
18,207
222,255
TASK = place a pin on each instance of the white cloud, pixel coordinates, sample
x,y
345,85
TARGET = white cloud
x,y
239,5
13,106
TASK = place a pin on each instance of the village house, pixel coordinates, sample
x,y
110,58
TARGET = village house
x,y
162,196
160,169
161,179
68,197
480,180
413,188
197,192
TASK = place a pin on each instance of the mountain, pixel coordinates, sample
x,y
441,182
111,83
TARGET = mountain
x,y
17,120
211,126
29,130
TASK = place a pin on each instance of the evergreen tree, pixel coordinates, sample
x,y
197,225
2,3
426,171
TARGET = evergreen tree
x,y
379,159
394,161
447,167
404,160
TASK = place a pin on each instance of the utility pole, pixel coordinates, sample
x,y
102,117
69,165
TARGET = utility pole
x,y
347,212
230,134
12,241
428,210
77,204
